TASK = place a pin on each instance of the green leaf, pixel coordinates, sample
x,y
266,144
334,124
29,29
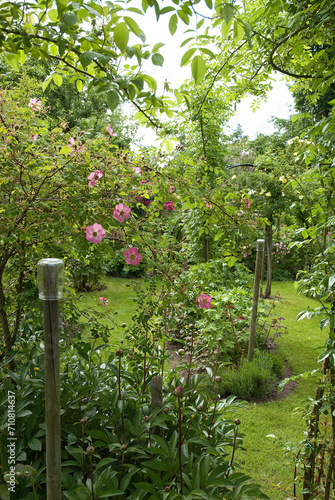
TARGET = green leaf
x,y
157,465
70,19
146,486
46,83
157,59
12,61
134,27
79,85
35,444
209,4
150,81
61,46
121,36
207,52
183,16
157,46
61,5
53,15
113,99
227,12
57,79
238,31
173,23
86,58
187,56
198,69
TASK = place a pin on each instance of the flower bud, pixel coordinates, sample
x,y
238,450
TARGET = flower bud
x,y
181,352
146,418
119,352
237,421
166,410
167,489
178,392
220,340
218,379
90,450
199,408
123,325
123,447
83,421
85,400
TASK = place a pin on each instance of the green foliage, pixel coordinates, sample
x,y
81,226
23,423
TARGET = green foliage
x,y
253,379
138,449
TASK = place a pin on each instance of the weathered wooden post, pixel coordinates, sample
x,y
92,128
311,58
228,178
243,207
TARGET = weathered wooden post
x,y
50,279
259,258
157,399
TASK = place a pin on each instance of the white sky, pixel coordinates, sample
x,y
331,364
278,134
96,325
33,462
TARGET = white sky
x,y
279,102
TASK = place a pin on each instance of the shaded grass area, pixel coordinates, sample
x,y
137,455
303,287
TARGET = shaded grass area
x,y
264,457
120,295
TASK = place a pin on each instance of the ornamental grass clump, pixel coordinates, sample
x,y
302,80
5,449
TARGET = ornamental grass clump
x,y
253,379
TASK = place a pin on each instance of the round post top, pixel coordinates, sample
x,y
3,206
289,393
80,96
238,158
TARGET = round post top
x,y
50,279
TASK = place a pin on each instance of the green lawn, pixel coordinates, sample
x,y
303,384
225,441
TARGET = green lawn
x,y
264,458
120,295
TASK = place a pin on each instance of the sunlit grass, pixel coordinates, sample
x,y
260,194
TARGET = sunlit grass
x,y
263,458
120,295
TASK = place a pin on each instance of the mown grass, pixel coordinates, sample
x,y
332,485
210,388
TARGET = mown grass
x,y
264,457
120,295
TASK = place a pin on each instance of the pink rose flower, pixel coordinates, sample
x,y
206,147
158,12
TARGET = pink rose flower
x,y
95,233
137,170
132,256
94,177
205,301
172,188
121,212
74,147
169,205
110,131
35,137
35,104
104,301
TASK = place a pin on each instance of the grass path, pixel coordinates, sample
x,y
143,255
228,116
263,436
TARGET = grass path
x,y
263,458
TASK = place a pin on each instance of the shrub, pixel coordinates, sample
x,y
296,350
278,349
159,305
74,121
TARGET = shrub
x,y
253,379
107,420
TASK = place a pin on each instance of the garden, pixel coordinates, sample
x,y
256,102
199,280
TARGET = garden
x,y
161,394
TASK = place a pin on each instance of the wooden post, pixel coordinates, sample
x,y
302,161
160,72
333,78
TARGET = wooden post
x,y
259,258
50,283
156,392
157,399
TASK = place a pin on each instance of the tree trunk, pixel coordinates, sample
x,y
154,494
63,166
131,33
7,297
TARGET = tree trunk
x,y
268,245
5,325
